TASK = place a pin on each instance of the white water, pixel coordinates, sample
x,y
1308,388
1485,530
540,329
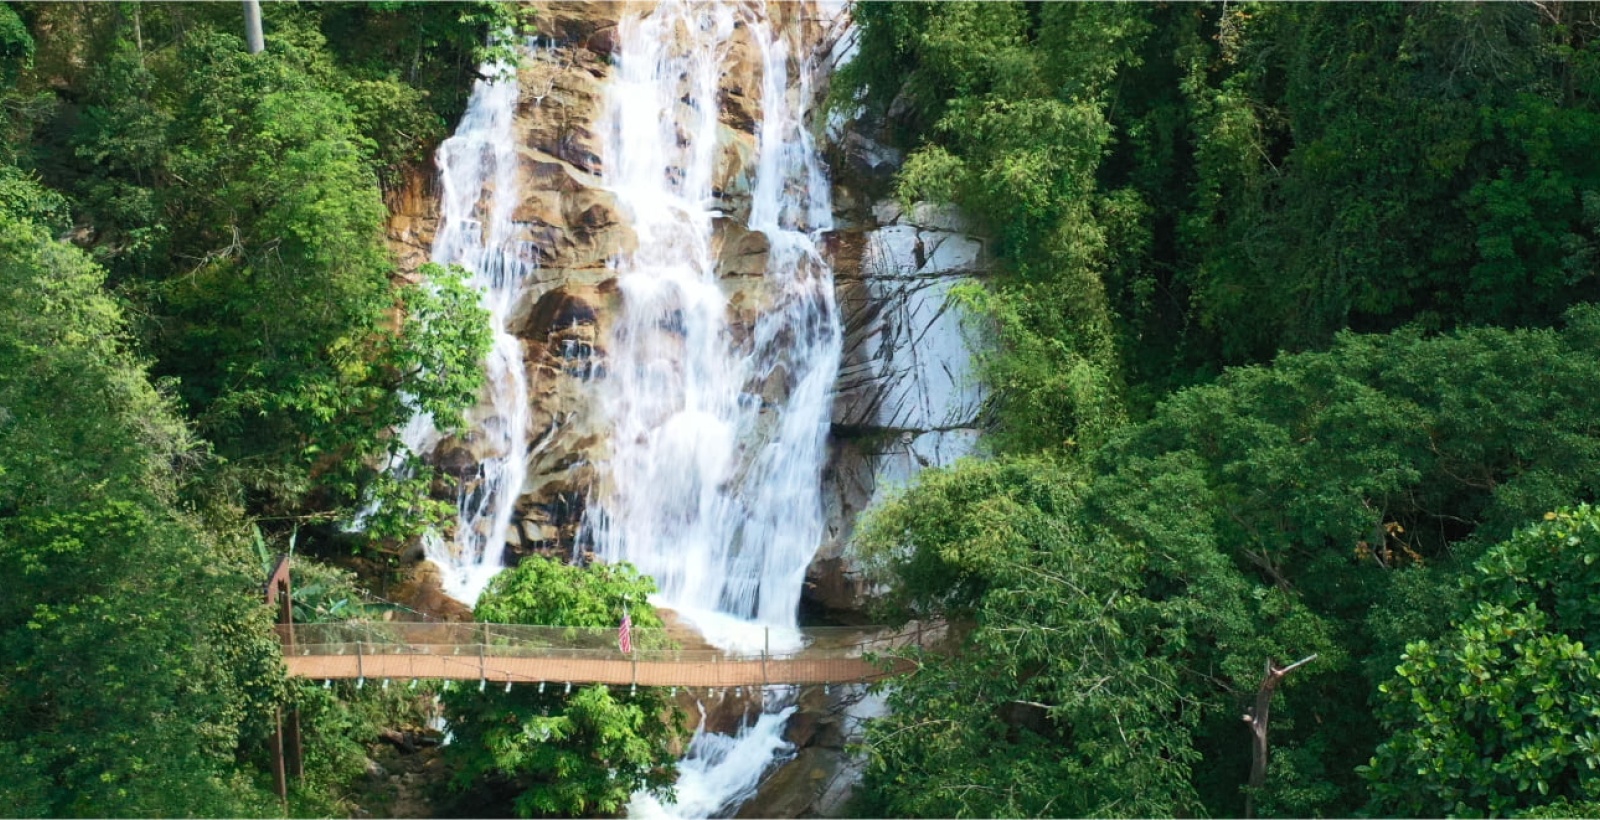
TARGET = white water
x,y
720,771
713,488
718,422
478,172
718,431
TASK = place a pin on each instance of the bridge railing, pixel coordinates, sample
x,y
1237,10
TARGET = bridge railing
x,y
473,639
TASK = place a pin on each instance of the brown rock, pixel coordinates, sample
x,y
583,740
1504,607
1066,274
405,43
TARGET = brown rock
x,y
801,728
423,591
602,42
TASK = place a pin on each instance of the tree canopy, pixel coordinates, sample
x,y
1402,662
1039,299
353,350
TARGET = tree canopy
x,y
560,753
202,338
1292,323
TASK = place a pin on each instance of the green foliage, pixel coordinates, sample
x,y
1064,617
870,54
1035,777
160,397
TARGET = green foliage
x,y
16,46
233,197
1100,647
1013,103
1316,505
1173,189
134,661
1354,478
566,755
1500,714
234,203
337,725
412,64
1387,449
547,592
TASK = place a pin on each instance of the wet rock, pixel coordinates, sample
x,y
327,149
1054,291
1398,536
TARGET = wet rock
x,y
907,397
602,42
791,790
577,20
741,252
801,728
423,590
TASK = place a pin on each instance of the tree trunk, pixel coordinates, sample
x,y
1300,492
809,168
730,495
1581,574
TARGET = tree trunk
x,y
1257,718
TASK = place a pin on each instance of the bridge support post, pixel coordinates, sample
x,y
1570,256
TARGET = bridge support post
x,y
766,649
279,781
279,591
294,752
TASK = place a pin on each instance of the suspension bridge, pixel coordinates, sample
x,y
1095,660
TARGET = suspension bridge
x,y
520,654
541,655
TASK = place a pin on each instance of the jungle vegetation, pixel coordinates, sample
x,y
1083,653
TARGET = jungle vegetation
x,y
203,347
1291,356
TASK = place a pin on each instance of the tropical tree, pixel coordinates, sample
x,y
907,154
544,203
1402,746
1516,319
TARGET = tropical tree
x,y
561,753
136,662
1095,648
1502,713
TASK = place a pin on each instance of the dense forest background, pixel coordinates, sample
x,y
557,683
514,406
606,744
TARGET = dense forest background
x,y
203,346
1294,353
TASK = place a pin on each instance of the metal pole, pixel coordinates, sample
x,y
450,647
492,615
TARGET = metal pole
x,y
360,670
766,649
252,26
483,649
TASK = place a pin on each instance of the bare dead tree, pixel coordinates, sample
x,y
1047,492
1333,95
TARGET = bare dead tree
x,y
1257,718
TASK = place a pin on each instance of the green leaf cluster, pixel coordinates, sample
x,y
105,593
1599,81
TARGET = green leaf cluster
x,y
134,659
1319,505
1501,714
204,342
237,203
1171,189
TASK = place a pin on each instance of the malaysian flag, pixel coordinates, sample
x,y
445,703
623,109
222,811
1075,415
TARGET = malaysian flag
x,y
625,633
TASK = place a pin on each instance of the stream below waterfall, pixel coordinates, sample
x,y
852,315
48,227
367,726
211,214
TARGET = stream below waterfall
x,y
714,407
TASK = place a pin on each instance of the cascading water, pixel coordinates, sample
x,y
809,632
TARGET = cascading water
x,y
718,428
718,431
720,770
478,172
717,412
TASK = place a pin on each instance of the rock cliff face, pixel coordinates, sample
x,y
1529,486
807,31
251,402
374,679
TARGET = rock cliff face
x,y
906,398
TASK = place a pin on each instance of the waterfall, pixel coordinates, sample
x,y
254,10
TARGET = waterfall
x,y
481,189
717,427
718,430
720,770
715,411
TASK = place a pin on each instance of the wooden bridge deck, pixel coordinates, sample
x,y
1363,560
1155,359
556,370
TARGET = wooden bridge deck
x,y
501,653
619,671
